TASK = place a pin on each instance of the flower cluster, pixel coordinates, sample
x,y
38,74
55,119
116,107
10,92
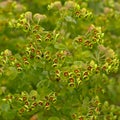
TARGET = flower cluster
x,y
60,66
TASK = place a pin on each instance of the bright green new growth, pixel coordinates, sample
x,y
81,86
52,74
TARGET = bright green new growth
x,y
62,68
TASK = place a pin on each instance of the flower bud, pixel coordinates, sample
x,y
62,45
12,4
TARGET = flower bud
x,y
55,5
28,16
18,7
70,4
7,52
39,18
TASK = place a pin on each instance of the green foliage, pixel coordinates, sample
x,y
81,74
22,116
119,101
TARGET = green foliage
x,y
59,63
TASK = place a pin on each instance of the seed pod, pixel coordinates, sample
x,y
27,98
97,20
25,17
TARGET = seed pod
x,y
34,104
94,40
109,60
38,57
48,37
79,81
47,53
66,74
26,62
57,72
54,65
91,45
26,27
89,68
71,80
33,97
58,79
36,27
26,103
39,40
78,74
51,98
32,56
47,57
18,65
91,112
24,98
55,60
59,55
85,73
77,13
74,116
81,118
47,106
37,36
25,58
63,57
71,84
12,58
6,97
11,97
104,68
21,110
26,107
30,109
79,39
19,69
97,70
28,52
40,103
76,71
87,43
46,97
32,49
38,52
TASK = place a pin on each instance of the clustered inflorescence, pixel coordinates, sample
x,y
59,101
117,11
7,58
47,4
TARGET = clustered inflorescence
x,y
63,72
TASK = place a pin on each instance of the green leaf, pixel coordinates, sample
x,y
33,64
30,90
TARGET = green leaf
x,y
70,19
5,107
11,72
53,118
60,46
10,115
33,93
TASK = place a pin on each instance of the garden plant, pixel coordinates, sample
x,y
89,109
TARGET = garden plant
x,y
59,60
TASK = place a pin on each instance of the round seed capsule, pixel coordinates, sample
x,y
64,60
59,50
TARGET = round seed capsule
x,y
66,73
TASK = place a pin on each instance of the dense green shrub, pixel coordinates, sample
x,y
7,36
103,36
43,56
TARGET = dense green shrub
x,y
59,60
